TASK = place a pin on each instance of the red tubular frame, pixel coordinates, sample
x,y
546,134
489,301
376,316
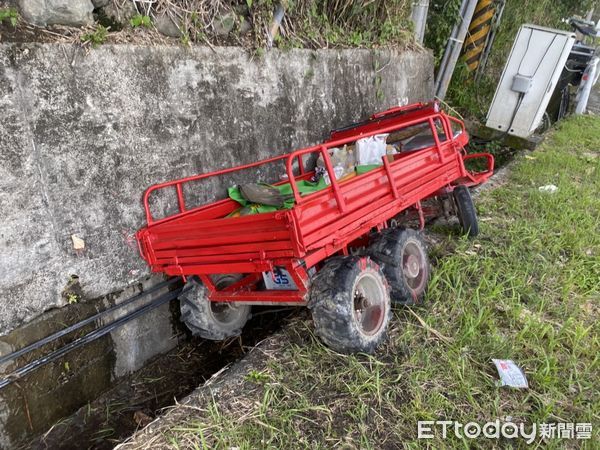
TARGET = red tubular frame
x,y
199,241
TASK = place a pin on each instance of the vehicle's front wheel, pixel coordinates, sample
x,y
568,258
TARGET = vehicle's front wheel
x,y
465,210
350,303
212,320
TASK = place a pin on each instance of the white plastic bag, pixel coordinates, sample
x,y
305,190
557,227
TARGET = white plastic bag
x,y
337,170
370,150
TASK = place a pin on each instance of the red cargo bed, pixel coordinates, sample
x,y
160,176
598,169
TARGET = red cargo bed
x,y
202,240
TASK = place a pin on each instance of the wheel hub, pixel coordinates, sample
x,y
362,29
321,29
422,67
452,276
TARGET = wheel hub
x,y
224,312
369,308
412,266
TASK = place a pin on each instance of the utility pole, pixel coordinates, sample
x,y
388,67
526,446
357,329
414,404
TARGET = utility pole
x,y
454,47
419,17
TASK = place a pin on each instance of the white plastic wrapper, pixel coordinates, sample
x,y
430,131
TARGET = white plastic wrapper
x,y
338,170
370,150
510,374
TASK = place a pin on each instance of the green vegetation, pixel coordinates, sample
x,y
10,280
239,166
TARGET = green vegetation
x,y
97,37
306,23
469,97
338,23
257,376
441,17
526,289
140,21
9,15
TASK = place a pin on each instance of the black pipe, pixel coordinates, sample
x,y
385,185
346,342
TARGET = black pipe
x,y
97,333
84,322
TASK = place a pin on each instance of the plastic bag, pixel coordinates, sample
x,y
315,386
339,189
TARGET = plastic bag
x,y
342,161
339,173
370,150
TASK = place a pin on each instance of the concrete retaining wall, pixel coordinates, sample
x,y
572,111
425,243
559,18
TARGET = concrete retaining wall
x,y
82,134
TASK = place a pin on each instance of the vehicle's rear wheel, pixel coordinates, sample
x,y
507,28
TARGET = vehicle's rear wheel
x,y
403,255
465,210
350,304
212,320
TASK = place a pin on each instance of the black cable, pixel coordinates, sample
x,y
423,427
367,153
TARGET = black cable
x,y
505,133
526,50
514,114
98,333
541,60
84,322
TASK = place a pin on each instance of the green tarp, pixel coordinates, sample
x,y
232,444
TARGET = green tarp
x,y
304,187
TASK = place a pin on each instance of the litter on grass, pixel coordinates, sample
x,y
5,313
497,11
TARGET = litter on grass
x,y
510,374
549,188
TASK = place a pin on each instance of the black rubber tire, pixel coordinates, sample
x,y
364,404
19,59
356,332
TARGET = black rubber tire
x,y
210,320
465,210
350,304
397,250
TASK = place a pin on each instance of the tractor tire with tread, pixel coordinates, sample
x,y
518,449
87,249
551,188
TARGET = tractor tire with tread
x,y
350,304
210,320
402,253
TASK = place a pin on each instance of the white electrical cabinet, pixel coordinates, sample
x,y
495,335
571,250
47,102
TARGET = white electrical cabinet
x,y
530,75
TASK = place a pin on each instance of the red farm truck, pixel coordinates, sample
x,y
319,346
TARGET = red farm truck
x,y
341,247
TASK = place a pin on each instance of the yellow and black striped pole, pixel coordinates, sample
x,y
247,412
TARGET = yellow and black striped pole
x,y
480,26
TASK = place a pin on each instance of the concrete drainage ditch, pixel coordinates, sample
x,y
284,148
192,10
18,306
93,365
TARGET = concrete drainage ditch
x,y
137,399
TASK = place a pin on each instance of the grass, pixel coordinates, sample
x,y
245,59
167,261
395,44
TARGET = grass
x,y
95,38
339,23
249,24
527,289
10,15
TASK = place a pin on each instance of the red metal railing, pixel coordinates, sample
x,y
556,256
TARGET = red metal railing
x,y
296,155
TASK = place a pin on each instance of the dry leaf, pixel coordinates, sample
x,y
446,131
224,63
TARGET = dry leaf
x,y
142,419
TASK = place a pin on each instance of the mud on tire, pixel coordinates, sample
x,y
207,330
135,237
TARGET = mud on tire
x,y
402,253
350,304
211,320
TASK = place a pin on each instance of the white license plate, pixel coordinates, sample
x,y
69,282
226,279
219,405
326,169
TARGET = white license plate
x,y
279,279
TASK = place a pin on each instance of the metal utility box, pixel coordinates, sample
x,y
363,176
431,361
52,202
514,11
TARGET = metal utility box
x,y
529,78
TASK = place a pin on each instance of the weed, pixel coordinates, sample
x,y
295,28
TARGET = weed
x,y
185,39
95,38
9,15
336,23
256,376
72,298
140,21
